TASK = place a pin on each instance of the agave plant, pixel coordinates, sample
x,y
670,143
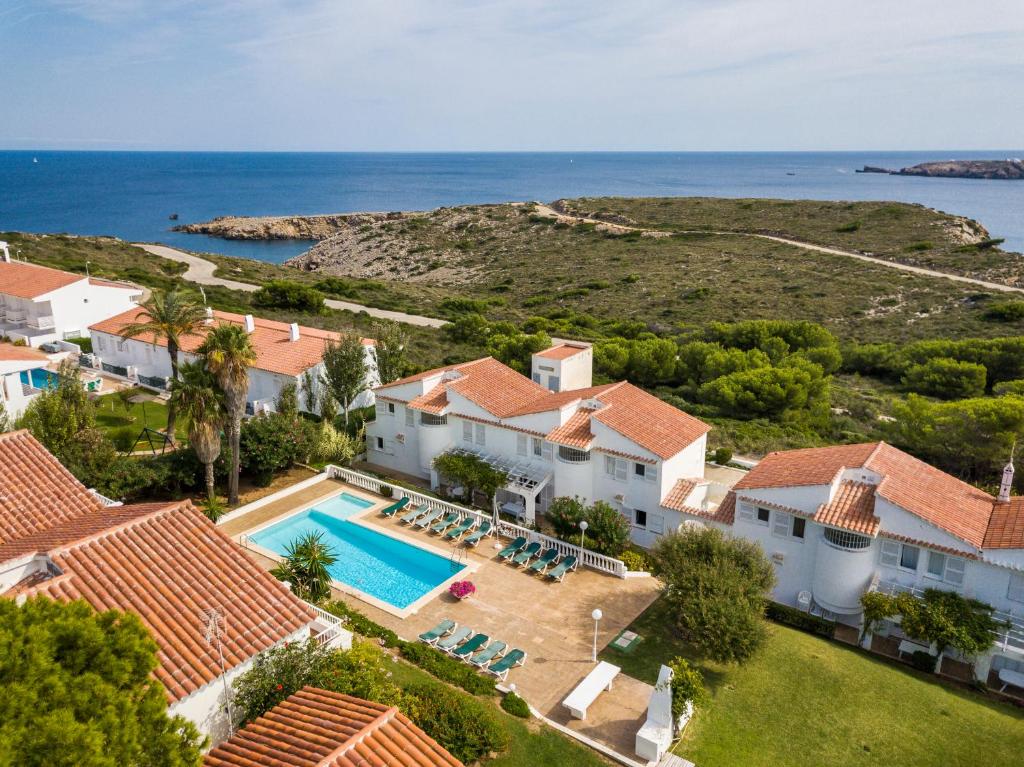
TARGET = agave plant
x,y
305,567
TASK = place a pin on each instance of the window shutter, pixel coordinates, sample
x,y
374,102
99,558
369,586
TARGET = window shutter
x,y
410,417
955,570
1015,591
781,525
547,451
890,554
467,431
655,523
481,434
746,511
521,444
652,474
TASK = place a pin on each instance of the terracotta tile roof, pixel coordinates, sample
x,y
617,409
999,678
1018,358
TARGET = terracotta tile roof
x,y
169,565
497,388
726,511
556,400
31,280
1006,526
428,373
36,492
562,351
76,529
317,728
676,497
275,352
434,401
810,466
12,353
852,508
648,421
575,432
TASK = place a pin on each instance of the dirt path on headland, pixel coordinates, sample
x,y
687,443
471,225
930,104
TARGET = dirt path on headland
x,y
201,272
547,210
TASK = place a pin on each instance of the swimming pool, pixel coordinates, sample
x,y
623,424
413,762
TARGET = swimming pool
x,y
40,378
383,567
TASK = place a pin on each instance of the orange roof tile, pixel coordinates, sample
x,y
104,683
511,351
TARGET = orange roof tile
x,y
648,421
1006,526
852,508
317,728
275,352
434,401
810,466
562,351
575,432
12,353
32,280
497,388
676,497
726,511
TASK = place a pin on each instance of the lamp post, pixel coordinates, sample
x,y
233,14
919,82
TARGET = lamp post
x,y
596,615
583,531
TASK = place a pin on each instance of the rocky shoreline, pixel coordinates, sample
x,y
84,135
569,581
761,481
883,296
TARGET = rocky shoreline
x,y
1004,170
313,228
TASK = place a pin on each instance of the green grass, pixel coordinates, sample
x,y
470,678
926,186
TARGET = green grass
x,y
804,700
111,416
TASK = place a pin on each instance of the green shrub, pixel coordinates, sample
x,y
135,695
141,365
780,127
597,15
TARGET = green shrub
x,y
853,226
917,247
723,456
880,360
285,294
687,686
798,619
923,661
947,378
274,442
446,668
1005,311
362,625
124,437
515,705
466,727
386,491
1016,388
83,342
634,561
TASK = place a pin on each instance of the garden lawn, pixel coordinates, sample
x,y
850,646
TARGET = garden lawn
x,y
112,419
804,700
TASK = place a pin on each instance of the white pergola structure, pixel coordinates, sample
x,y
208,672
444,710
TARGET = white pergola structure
x,y
526,481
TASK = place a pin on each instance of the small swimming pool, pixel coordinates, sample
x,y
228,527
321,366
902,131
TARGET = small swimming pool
x,y
381,566
40,378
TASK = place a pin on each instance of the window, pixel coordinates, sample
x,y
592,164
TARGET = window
x,y
467,431
481,434
788,525
429,419
542,449
799,526
655,523
521,444
410,418
746,511
763,515
554,382
572,455
1015,591
890,554
946,568
640,518
380,407
391,408
536,378
121,343
936,564
615,468
99,343
844,539
909,556
380,443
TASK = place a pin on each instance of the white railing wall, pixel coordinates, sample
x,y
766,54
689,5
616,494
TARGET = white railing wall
x,y
585,557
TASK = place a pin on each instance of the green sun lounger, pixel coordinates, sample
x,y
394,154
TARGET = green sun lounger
x,y
526,554
459,635
509,551
440,630
477,535
559,570
506,663
410,516
397,506
544,561
460,529
444,524
427,519
475,643
489,653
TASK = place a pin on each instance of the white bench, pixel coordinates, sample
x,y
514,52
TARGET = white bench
x,y
586,692
654,738
1011,679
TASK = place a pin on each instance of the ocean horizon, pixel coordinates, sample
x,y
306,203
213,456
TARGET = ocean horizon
x,y
132,194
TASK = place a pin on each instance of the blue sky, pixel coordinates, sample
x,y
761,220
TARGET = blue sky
x,y
511,74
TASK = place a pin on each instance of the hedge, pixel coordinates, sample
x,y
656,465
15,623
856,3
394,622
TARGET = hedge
x,y
362,625
465,726
798,619
516,706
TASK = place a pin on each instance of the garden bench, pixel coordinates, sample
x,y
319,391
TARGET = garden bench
x,y
1011,679
593,684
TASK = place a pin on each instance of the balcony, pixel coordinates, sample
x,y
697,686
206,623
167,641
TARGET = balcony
x,y
14,315
42,323
572,455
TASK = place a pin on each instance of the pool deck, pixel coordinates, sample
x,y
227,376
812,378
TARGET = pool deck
x,y
550,621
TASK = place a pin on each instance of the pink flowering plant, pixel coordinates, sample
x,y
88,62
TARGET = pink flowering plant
x,y
462,589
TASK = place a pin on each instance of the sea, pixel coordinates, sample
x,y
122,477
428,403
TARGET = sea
x,y
132,195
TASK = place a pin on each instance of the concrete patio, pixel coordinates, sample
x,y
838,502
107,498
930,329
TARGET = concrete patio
x,y
550,621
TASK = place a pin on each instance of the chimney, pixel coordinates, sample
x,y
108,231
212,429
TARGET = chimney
x,y
209,315
250,323
7,252
293,332
1006,486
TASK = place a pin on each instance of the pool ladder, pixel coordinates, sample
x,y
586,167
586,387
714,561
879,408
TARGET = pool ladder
x,y
458,558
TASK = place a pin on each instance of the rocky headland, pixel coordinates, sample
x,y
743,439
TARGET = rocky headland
x,y
1006,170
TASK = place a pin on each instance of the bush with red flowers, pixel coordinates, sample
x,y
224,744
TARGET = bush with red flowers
x,y
462,589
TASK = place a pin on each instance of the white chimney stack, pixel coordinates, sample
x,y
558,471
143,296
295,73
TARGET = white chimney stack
x,y
250,323
293,332
7,252
1006,486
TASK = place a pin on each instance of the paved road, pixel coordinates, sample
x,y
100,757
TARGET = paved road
x,y
546,210
201,272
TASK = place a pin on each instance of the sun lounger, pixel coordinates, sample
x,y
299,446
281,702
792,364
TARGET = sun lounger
x,y
427,519
489,653
544,561
410,516
475,643
397,506
444,524
459,635
441,629
503,665
461,529
526,554
510,551
558,571
477,535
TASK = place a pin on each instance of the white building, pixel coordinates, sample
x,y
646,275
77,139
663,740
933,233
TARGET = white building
x,y
163,561
839,521
285,353
16,386
40,305
556,435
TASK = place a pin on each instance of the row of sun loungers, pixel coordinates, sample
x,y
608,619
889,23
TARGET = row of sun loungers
x,y
474,648
529,556
450,526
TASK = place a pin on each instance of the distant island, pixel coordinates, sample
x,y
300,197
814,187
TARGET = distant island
x,y
1006,170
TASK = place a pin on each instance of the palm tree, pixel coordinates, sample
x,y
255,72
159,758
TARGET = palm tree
x,y
228,354
305,567
197,397
168,316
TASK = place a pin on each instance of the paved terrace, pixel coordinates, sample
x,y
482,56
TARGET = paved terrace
x,y
550,621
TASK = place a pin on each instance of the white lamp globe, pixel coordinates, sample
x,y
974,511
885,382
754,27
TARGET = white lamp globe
x,y
583,525
597,614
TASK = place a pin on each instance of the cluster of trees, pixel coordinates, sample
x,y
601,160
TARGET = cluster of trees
x,y
285,294
607,530
473,474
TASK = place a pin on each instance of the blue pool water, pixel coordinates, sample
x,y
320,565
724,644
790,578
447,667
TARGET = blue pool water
x,y
40,378
383,567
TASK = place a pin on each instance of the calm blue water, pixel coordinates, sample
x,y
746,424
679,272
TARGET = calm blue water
x,y
131,194
379,565
39,378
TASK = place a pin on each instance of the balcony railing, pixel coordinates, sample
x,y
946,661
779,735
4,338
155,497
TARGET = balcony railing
x,y
42,323
335,635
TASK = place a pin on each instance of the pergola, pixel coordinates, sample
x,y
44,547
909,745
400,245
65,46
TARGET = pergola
x,y
525,479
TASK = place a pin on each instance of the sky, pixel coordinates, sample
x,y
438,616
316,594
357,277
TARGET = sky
x,y
511,75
